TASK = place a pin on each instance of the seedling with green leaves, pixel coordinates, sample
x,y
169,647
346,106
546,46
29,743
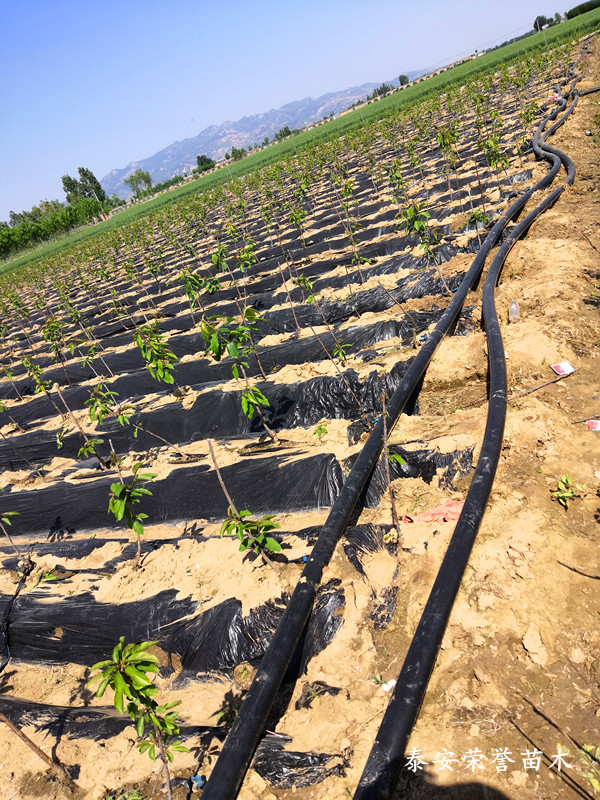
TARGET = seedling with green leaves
x,y
126,672
159,359
252,398
251,533
52,332
46,577
103,403
25,562
320,430
393,458
566,491
123,498
231,336
339,351
193,286
415,221
89,448
475,217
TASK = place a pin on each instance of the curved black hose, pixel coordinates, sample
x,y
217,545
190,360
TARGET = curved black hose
x,y
384,762
230,768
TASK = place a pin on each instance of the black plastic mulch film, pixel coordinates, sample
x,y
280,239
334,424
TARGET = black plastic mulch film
x,y
385,759
215,641
214,411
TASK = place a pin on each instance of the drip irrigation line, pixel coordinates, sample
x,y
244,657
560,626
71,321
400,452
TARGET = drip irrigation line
x,y
235,757
385,759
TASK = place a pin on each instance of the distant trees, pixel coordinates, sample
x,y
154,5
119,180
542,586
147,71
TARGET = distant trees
x,y
159,187
582,8
282,133
237,154
403,80
204,163
86,188
541,22
86,200
265,141
380,91
48,219
139,182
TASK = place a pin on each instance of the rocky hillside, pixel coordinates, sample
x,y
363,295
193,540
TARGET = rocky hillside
x,y
216,140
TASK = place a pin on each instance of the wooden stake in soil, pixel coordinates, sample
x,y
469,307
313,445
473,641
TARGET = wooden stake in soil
x,y
55,765
386,454
263,555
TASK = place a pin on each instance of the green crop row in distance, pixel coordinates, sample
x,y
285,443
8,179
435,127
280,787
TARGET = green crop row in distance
x,y
413,93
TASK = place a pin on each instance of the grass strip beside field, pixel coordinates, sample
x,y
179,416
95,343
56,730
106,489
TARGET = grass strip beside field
x,y
377,109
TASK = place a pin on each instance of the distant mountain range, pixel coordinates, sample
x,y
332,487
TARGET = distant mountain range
x,y
216,140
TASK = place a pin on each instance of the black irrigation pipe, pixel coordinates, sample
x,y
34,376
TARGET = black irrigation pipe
x,y
231,766
385,759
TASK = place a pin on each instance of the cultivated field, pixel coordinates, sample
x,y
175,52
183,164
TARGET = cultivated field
x,y
240,346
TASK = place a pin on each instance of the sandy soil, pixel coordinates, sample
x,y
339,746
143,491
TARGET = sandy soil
x,y
519,666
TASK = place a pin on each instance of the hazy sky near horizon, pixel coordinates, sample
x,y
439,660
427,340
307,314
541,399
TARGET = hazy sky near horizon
x,y
102,84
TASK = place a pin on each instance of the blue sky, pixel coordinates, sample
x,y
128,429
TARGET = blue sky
x,y
102,84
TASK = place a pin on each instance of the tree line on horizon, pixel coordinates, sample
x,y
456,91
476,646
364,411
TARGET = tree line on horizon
x,y
85,200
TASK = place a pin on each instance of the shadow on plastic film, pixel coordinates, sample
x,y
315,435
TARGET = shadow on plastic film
x,y
58,531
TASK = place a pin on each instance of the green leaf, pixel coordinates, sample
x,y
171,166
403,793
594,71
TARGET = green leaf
x,y
118,701
100,665
272,545
137,527
106,680
233,350
147,476
118,508
117,650
121,685
138,679
179,748
172,704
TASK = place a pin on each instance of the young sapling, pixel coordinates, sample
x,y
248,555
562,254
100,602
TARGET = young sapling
x,y
126,672
123,498
251,533
397,459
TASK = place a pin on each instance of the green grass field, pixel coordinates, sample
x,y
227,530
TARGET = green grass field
x,y
414,93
